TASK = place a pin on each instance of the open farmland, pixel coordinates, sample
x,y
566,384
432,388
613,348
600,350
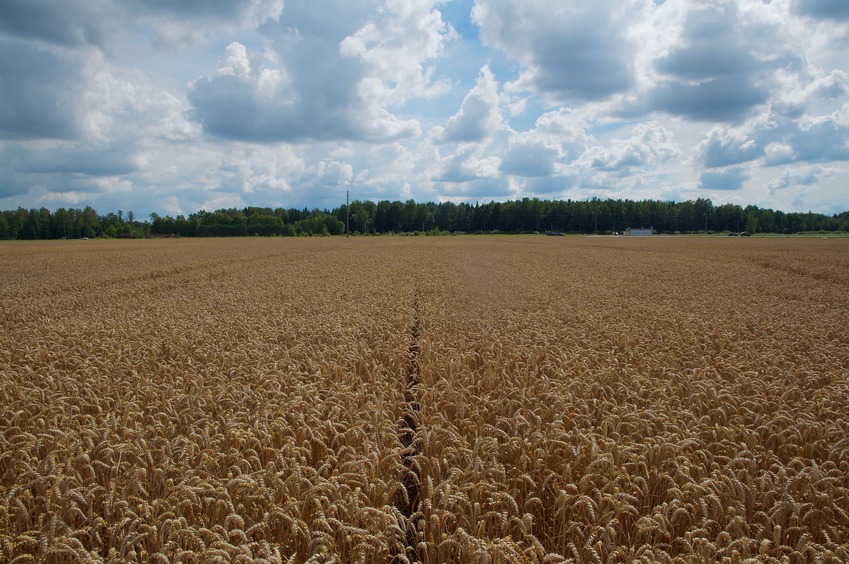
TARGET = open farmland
x,y
449,399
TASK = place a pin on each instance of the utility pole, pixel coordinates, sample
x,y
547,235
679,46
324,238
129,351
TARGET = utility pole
x,y
347,213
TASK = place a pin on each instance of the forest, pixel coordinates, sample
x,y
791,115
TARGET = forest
x,y
529,215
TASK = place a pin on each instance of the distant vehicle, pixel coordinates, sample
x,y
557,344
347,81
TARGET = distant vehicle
x,y
555,234
84,238
745,234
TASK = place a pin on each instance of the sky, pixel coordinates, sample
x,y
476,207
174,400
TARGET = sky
x,y
176,106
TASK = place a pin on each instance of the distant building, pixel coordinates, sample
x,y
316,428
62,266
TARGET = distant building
x,y
641,232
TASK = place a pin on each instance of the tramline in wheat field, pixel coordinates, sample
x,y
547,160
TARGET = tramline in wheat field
x,y
454,399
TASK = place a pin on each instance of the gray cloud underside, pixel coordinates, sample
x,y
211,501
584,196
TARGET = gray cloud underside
x,y
29,108
719,152
39,19
548,186
824,140
478,115
230,108
823,9
573,51
75,23
529,160
713,73
471,122
579,66
731,179
456,172
315,82
213,8
85,161
714,100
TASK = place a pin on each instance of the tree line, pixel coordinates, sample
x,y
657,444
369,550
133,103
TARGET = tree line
x,y
529,215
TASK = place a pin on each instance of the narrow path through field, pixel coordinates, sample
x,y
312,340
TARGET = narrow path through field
x,y
408,501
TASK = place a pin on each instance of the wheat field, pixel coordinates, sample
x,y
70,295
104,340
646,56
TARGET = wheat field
x,y
451,399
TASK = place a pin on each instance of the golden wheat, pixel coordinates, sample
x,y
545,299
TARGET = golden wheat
x,y
451,399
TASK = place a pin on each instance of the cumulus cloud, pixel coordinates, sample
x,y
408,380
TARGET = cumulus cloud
x,y
167,20
251,101
570,50
649,144
727,179
333,173
529,157
725,147
254,12
551,186
822,9
157,105
821,138
478,115
84,160
251,173
788,179
798,93
395,49
39,19
714,68
101,23
467,164
173,125
567,130
779,153
775,140
312,85
29,109
715,99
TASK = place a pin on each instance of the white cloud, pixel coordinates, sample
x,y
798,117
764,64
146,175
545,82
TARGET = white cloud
x,y
567,130
209,18
46,22
468,164
163,106
726,179
479,115
235,61
570,51
725,146
649,144
779,153
333,173
40,91
306,87
802,177
529,156
822,9
395,50
715,62
171,206
258,168
173,126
